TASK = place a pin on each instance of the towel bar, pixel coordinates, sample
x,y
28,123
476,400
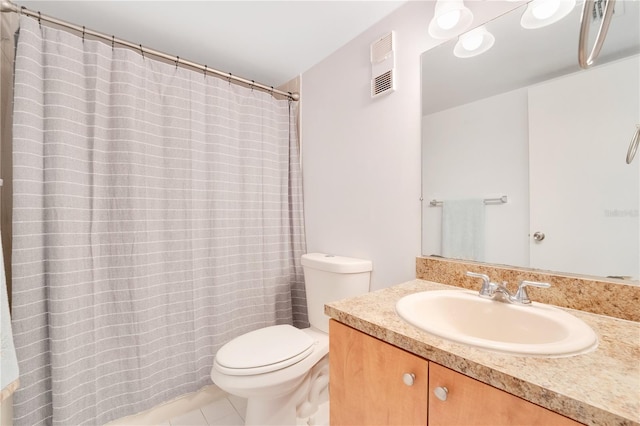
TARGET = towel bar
x,y
501,200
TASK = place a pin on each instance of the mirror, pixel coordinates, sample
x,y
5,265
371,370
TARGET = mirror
x,y
522,120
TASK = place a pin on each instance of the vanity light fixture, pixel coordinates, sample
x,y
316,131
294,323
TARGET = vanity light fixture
x,y
540,13
451,17
474,43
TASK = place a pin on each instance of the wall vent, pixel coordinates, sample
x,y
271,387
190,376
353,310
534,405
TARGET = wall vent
x,y
382,84
382,48
598,10
383,65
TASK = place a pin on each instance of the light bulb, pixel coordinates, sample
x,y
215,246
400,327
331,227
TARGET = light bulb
x,y
540,13
449,19
544,9
472,41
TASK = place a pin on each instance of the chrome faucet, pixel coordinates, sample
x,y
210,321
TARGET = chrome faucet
x,y
489,290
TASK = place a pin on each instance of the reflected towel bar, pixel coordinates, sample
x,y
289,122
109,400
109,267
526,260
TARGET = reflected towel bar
x,y
633,146
501,200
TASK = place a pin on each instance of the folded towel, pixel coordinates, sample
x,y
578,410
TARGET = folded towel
x,y
8,361
463,229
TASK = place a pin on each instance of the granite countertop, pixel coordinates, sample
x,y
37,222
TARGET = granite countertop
x,y
601,387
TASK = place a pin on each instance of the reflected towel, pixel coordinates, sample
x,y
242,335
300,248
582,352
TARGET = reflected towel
x,y
463,229
8,361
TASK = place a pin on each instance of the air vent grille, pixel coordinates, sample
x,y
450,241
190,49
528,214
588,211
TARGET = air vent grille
x,y
382,84
382,48
598,9
383,65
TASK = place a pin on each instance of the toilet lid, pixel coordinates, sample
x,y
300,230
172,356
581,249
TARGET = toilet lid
x,y
264,350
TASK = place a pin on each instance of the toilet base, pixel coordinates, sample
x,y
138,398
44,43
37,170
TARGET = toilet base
x,y
270,412
286,417
302,402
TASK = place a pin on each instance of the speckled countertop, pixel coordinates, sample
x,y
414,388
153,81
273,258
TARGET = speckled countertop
x,y
601,387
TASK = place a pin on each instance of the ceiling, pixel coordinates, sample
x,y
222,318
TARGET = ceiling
x,y
270,42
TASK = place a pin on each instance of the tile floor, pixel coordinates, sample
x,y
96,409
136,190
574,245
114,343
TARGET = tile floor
x,y
228,411
209,407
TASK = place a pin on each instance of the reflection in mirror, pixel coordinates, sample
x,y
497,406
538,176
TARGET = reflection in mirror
x,y
523,120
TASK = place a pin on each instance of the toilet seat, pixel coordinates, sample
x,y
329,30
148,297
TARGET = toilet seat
x,y
263,351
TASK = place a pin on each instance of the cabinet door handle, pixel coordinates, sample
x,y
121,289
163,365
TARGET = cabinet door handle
x,y
408,378
441,393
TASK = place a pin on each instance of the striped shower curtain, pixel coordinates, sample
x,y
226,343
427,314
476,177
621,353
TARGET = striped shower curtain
x,y
157,214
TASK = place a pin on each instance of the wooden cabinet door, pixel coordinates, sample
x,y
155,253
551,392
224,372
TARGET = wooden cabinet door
x,y
470,402
366,384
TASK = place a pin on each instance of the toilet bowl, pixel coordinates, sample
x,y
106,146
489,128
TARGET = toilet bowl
x,y
283,371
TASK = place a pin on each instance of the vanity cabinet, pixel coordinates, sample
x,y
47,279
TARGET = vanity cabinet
x,y
470,402
367,387
366,381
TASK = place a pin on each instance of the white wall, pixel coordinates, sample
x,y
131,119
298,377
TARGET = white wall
x,y
361,156
584,196
480,150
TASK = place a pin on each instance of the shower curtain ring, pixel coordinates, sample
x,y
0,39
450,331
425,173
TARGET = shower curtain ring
x,y
177,60
141,51
229,79
252,83
39,19
113,42
205,71
83,32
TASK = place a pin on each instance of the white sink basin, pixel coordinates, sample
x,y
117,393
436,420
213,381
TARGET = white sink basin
x,y
465,317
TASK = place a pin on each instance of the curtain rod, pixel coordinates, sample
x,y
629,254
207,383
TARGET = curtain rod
x,y
8,6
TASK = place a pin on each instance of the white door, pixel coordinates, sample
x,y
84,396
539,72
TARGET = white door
x,y
584,198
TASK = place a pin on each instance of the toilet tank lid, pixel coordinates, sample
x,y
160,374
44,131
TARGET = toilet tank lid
x,y
338,264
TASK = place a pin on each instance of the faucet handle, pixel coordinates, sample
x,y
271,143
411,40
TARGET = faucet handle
x,y
521,295
484,277
486,290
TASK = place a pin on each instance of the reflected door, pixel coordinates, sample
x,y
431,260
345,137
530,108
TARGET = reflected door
x,y
584,198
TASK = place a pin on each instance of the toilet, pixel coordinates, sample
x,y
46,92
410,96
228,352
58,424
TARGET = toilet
x,y
283,371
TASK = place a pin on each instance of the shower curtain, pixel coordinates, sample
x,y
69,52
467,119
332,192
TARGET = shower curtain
x,y
157,215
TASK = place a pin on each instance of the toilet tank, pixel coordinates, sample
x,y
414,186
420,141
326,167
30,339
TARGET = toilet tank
x,y
329,278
